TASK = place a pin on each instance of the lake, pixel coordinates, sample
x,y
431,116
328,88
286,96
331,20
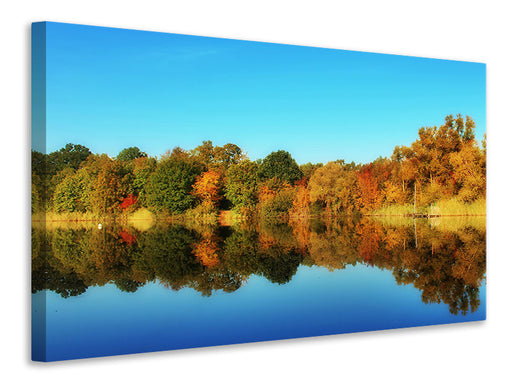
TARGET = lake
x,y
130,289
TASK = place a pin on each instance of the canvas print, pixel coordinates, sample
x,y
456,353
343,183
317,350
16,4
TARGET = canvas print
x,y
193,191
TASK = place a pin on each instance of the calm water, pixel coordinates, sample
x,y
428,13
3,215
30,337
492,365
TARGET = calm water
x,y
124,290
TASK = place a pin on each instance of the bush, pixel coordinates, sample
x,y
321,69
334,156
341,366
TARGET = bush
x,y
205,212
279,205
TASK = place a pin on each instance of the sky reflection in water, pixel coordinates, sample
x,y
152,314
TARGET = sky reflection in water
x,y
316,300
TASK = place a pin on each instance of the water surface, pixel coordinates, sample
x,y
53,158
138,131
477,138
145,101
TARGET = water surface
x,y
122,290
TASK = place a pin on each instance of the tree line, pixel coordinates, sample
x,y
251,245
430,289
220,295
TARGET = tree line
x,y
444,163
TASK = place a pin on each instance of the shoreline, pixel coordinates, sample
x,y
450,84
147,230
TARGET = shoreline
x,y
121,218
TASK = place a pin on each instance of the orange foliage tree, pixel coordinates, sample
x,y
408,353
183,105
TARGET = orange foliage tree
x,y
208,186
301,199
370,197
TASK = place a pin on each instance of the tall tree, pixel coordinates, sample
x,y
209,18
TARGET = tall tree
x,y
370,197
130,153
242,184
170,186
469,171
143,167
208,187
72,194
111,184
72,155
280,165
227,155
334,187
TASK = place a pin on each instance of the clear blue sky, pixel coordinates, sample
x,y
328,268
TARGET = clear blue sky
x,y
110,89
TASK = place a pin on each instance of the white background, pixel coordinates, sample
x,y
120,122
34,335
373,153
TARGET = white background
x,y
461,30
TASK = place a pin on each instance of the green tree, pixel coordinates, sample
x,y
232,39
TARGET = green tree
x,y
242,184
227,155
48,167
143,167
280,165
204,153
72,155
278,206
72,193
308,169
170,186
130,153
36,199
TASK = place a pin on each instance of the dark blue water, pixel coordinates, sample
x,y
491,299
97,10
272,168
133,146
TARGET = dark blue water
x,y
104,320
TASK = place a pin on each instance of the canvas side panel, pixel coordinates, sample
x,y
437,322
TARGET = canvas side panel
x,y
38,145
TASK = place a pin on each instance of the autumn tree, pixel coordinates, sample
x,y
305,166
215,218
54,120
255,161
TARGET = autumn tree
x,y
431,152
334,187
444,162
177,153
110,184
217,157
469,171
434,163
207,187
301,199
396,189
370,197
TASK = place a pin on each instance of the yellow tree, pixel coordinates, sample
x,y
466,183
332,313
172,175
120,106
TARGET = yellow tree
x,y
469,171
326,186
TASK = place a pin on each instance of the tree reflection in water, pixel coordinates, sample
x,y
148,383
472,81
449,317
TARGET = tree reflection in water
x,y
444,260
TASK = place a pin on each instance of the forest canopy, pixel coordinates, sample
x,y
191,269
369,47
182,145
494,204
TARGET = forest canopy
x,y
444,163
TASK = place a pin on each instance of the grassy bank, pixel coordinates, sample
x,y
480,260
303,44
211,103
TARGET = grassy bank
x,y
70,217
393,210
456,208
141,219
144,219
451,207
441,223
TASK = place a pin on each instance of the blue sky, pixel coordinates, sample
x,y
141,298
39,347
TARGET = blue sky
x,y
110,89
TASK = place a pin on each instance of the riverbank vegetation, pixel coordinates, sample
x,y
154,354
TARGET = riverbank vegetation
x,y
443,172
